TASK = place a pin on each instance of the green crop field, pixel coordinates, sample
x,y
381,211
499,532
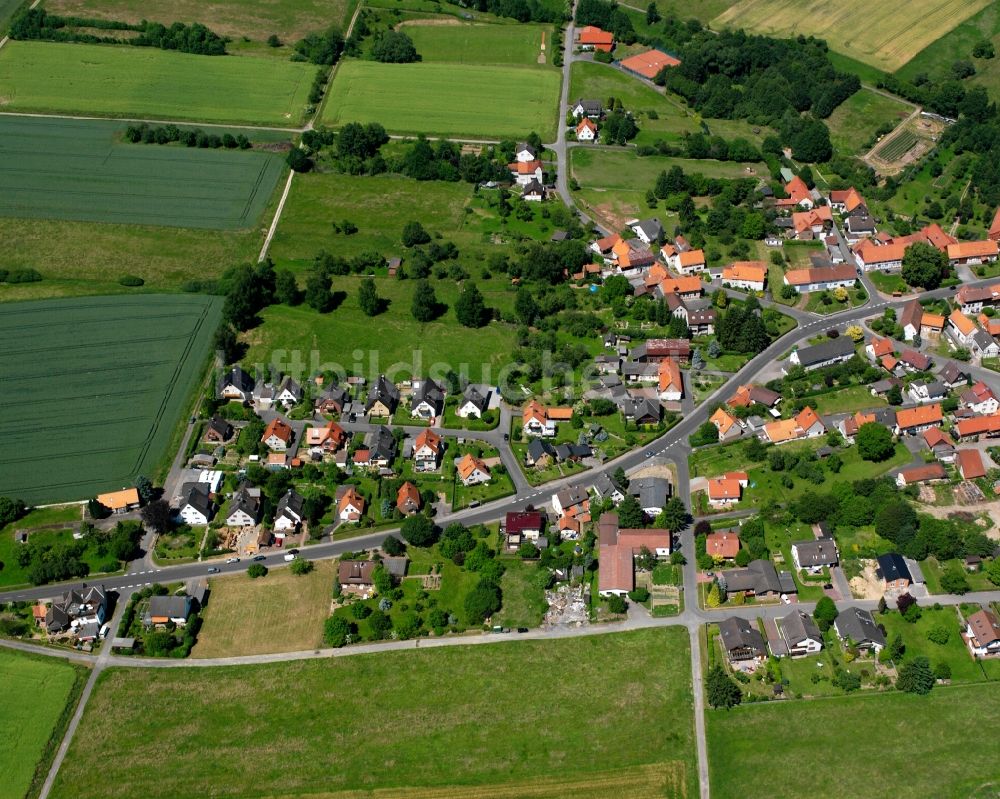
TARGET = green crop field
x,y
623,169
885,35
855,121
388,724
290,19
897,147
146,82
79,170
94,388
936,59
492,102
875,746
34,697
478,44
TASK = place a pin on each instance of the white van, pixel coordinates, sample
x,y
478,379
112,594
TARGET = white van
x,y
290,556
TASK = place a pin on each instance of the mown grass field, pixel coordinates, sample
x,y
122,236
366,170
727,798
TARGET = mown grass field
x,y
491,102
81,170
465,43
281,612
290,19
94,389
921,745
936,59
885,35
623,169
856,119
150,83
390,721
34,697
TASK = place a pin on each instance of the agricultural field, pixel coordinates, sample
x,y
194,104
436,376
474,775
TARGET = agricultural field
x,y
124,367
146,82
936,59
281,612
493,102
289,19
855,121
33,705
388,721
445,40
885,35
924,740
623,169
81,170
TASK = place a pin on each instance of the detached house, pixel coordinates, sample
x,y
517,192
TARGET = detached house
x,y
894,572
427,401
236,385
688,262
218,430
586,130
427,451
910,421
745,275
741,640
827,353
726,490
119,502
473,404
290,512
806,424
961,328
940,444
727,424
289,393
759,578
815,555
537,420
472,471
671,384
798,193
244,510
826,278
381,445
800,634
911,319
593,38
278,435
196,506
328,438
350,504
383,398
980,399
521,526
966,253
332,399
972,299
572,501
724,545
408,499
857,626
588,108
648,231
752,394
982,633
812,224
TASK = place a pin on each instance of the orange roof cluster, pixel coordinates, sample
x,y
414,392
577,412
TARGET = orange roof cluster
x,y
978,425
807,220
681,285
649,64
690,258
872,253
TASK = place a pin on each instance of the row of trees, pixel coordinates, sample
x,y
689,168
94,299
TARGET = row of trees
x,y
190,137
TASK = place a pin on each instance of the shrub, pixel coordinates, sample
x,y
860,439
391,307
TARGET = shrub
x,y
131,280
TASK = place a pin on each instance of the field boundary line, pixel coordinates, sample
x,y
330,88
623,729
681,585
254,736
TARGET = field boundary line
x,y
185,122
277,217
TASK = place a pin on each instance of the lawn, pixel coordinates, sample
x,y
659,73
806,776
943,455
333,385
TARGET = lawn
x,y
379,206
51,525
393,341
887,282
936,59
81,170
289,19
492,102
281,612
122,368
623,169
845,400
33,712
856,119
924,741
885,36
147,82
954,652
523,586
389,721
466,43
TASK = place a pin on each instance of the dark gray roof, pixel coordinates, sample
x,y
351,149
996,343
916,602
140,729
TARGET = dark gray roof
x,y
538,449
533,187
243,501
173,607
289,385
591,106
604,486
430,392
893,567
384,391
758,576
196,495
291,502
952,373
382,443
859,625
652,492
572,495
472,395
396,566
841,347
738,633
334,393
237,378
798,627
816,552
983,339
219,426
650,227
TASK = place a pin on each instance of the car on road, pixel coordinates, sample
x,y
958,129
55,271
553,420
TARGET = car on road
x,y
650,453
260,558
214,569
522,629
506,436
232,560
293,552
289,556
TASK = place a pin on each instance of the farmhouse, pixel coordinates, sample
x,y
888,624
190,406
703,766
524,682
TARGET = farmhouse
x,y
618,548
857,626
972,299
122,501
850,425
656,349
472,471
588,108
631,255
812,224
982,633
970,464
886,257
805,424
824,278
988,426
798,193
741,640
972,252
688,262
827,353
746,275
572,501
647,65
940,443
847,201
685,287
593,38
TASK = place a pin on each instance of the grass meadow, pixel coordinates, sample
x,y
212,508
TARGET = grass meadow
x,y
875,746
623,169
95,388
146,82
289,19
33,704
81,170
855,121
885,35
282,612
443,99
466,43
500,720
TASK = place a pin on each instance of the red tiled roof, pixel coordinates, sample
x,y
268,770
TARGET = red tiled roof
x,y
970,464
648,64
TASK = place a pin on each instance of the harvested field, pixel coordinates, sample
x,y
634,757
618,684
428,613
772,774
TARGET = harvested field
x,y
123,368
282,612
148,83
80,170
491,102
387,724
885,35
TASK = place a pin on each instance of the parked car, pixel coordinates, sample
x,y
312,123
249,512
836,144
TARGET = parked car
x,y
289,556
214,569
293,552
260,557
232,560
